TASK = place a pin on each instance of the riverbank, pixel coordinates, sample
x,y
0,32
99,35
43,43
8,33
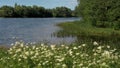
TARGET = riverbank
x,y
90,52
85,32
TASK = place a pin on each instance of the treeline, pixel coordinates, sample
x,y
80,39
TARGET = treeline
x,y
100,13
35,11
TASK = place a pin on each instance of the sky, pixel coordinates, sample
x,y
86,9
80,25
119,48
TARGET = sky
x,y
44,3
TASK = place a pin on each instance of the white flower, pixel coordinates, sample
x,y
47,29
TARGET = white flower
x,y
60,60
83,45
39,64
46,61
104,64
19,59
10,49
33,47
113,50
27,53
79,46
100,47
81,64
12,44
64,65
98,61
75,48
67,47
36,54
95,54
77,53
106,54
108,46
37,48
17,43
14,55
62,45
58,64
21,55
18,50
42,44
24,57
27,47
70,52
31,52
10,52
52,47
22,44
14,47
95,43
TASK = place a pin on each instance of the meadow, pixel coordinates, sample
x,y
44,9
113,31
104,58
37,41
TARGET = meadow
x,y
94,55
86,33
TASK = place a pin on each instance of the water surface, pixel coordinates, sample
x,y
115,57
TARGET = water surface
x,y
31,30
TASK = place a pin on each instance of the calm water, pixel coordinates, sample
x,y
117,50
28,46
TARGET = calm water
x,y
31,30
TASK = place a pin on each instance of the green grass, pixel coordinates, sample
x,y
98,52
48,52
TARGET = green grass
x,y
3,51
85,32
79,28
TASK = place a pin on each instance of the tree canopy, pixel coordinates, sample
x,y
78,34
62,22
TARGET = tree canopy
x,y
62,12
100,13
34,11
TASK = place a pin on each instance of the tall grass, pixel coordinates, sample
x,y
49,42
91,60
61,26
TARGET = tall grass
x,y
86,32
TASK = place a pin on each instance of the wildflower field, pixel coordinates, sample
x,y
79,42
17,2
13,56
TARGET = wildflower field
x,y
93,55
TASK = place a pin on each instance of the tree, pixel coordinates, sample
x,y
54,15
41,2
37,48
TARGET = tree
x,y
6,11
34,11
100,13
62,12
18,11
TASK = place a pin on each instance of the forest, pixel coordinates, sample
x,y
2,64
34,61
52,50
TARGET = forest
x,y
100,20
35,11
100,13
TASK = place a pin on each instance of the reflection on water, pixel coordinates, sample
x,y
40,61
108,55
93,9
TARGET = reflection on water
x,y
31,30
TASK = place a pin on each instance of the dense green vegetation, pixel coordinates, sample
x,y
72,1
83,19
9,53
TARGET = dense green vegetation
x,y
100,21
34,11
100,13
97,24
87,33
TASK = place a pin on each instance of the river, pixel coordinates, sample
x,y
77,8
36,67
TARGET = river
x,y
31,30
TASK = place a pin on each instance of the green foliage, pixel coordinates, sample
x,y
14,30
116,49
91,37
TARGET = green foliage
x,y
85,32
6,11
100,13
62,12
34,11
